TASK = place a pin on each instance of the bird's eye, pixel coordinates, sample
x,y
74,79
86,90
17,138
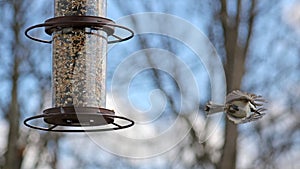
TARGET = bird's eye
x,y
235,107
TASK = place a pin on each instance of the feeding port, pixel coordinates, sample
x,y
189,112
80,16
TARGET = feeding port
x,y
80,34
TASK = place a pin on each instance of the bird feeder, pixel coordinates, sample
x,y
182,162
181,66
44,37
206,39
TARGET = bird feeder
x,y
80,34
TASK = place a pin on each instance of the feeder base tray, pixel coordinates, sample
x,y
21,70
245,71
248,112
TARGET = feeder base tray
x,y
90,118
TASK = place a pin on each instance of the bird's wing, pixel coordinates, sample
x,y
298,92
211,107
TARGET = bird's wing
x,y
253,117
256,100
237,95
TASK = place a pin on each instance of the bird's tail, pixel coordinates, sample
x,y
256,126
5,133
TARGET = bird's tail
x,y
212,108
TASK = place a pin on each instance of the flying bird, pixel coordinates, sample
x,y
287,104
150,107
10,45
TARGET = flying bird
x,y
240,107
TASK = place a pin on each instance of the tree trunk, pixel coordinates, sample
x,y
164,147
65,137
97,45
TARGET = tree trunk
x,y
14,153
234,70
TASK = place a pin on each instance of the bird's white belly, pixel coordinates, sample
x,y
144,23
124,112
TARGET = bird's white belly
x,y
244,109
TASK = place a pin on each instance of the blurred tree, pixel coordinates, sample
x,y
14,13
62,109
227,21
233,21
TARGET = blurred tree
x,y
237,30
25,81
236,45
18,52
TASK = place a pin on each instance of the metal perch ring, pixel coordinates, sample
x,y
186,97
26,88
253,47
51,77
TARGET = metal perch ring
x,y
97,23
67,117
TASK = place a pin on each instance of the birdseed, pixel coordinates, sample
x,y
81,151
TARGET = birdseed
x,y
79,58
80,7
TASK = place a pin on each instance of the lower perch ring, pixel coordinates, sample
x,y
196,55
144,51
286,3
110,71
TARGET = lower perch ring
x,y
89,117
